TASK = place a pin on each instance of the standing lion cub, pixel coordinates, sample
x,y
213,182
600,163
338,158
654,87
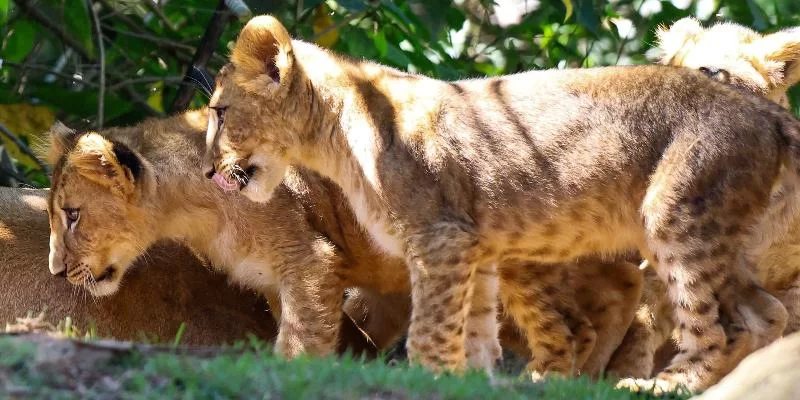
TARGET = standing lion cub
x,y
764,64
544,166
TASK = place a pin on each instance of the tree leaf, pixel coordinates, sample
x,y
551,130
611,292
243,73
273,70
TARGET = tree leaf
x,y
381,44
759,19
359,44
433,13
20,41
587,15
568,6
3,11
323,22
455,18
308,4
79,24
353,5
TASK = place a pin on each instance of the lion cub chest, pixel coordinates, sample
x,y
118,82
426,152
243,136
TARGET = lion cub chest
x,y
377,224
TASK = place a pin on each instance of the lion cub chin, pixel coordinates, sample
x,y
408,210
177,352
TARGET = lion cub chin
x,y
537,167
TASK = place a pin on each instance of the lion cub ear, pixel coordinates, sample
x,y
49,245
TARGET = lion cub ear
x,y
263,52
112,165
781,56
670,40
60,139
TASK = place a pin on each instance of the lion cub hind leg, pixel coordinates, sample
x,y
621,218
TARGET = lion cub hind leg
x,y
650,328
560,337
609,294
442,260
791,299
696,232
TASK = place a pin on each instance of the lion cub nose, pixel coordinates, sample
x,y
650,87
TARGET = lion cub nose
x,y
715,73
209,171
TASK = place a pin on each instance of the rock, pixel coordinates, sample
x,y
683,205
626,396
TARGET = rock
x,y
770,373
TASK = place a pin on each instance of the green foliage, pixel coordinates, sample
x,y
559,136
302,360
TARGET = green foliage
x,y
148,46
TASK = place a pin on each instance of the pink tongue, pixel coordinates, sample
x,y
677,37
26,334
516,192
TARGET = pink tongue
x,y
224,183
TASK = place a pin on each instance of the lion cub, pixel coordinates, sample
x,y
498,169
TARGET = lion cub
x,y
764,64
537,167
115,194
306,236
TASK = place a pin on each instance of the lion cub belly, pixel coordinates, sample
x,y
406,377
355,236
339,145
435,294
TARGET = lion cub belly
x,y
254,273
378,227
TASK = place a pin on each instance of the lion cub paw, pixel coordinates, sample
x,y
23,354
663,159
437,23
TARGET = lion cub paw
x,y
656,386
484,354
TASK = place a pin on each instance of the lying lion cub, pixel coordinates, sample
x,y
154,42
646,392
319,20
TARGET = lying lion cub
x,y
213,312
544,166
767,65
305,240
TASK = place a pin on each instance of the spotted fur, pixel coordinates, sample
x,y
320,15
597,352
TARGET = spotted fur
x,y
539,167
765,64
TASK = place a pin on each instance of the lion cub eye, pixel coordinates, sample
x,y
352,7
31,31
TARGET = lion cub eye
x,y
220,113
73,214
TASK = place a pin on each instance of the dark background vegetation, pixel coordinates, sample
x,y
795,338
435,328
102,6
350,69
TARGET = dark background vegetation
x,y
96,63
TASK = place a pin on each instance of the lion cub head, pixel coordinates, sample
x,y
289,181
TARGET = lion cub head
x,y
264,94
98,216
764,64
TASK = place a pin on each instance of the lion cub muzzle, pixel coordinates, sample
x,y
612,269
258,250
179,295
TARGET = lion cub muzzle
x,y
81,274
230,177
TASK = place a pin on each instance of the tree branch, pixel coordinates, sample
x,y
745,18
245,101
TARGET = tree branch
x,y
208,43
23,148
122,17
101,97
17,176
49,70
30,10
155,9
151,38
146,79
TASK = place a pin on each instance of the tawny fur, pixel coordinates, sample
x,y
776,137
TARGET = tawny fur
x,y
540,167
179,288
168,287
765,64
282,238
288,252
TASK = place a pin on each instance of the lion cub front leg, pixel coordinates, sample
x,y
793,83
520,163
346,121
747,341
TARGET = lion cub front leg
x,y
442,260
311,307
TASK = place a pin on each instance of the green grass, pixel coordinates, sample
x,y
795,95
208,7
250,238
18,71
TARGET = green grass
x,y
256,374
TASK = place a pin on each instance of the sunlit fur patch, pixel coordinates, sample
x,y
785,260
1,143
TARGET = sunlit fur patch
x,y
765,64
